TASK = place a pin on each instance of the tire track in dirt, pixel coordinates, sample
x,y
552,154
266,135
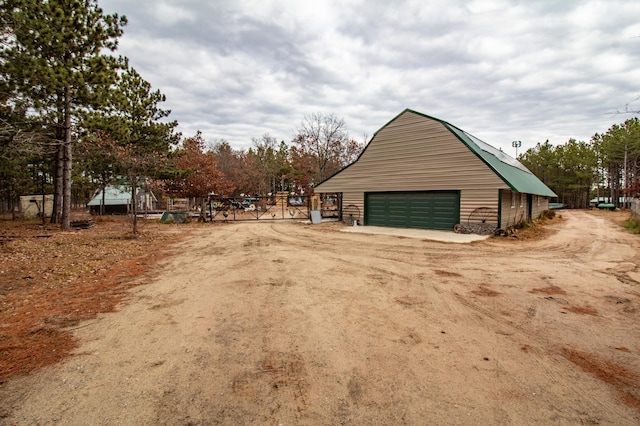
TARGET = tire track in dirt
x,y
246,319
590,239
269,323
553,252
276,375
538,346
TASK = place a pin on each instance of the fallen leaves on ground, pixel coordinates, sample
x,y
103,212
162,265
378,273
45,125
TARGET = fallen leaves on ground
x,y
52,280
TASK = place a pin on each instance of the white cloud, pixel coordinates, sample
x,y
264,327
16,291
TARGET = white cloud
x,y
171,15
502,70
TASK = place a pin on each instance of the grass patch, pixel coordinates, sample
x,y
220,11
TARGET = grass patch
x,y
631,225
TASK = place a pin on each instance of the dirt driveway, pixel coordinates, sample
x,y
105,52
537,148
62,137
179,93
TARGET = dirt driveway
x,y
281,323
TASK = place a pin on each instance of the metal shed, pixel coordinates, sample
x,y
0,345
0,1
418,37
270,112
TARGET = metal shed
x,y
117,200
422,172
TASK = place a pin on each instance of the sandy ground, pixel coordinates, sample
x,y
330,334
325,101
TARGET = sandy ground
x,y
283,323
425,234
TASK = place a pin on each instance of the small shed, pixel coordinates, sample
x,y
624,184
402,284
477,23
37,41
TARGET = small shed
x,y
117,200
36,205
422,172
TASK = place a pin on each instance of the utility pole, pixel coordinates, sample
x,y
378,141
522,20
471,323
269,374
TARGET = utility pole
x,y
626,182
516,145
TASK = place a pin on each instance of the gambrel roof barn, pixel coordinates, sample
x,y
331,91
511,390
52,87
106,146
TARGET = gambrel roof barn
x,y
421,172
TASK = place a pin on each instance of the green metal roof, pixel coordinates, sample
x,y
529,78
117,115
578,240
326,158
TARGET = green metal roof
x,y
114,196
512,172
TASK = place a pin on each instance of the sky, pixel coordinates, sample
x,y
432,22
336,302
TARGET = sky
x,y
502,70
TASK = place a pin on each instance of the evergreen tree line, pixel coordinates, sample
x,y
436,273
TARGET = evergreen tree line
x,y
75,117
606,167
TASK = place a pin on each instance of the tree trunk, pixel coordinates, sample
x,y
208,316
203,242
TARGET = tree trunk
x,y
134,208
67,158
104,195
56,214
44,197
203,210
146,199
14,200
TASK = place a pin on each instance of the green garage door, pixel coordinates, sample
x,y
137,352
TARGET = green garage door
x,y
425,209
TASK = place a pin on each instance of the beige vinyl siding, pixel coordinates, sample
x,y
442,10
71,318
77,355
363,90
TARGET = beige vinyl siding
x,y
414,153
539,207
355,198
515,214
471,200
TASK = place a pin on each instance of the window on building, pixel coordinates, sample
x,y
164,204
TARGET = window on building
x,y
513,199
521,200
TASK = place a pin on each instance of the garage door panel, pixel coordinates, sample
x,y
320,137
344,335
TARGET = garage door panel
x,y
426,209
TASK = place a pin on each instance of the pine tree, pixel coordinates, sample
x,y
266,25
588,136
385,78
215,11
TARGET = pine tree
x,y
133,126
52,58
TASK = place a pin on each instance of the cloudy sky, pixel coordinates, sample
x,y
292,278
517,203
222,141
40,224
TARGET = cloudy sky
x,y
502,70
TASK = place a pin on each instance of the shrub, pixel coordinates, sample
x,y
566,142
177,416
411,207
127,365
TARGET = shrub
x,y
523,224
548,214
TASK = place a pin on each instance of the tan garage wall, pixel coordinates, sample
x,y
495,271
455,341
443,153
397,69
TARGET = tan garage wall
x,y
540,204
470,200
356,199
517,212
514,208
415,154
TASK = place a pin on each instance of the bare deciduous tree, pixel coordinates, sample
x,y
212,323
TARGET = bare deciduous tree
x,y
326,139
